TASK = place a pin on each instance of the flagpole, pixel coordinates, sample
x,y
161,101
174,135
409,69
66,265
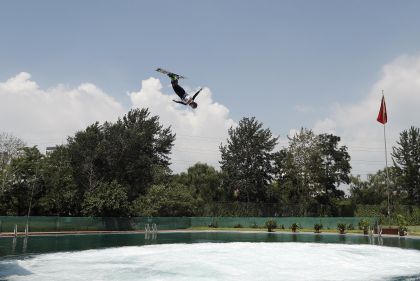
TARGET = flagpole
x,y
386,165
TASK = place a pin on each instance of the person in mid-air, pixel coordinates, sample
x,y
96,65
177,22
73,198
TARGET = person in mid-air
x,y
185,98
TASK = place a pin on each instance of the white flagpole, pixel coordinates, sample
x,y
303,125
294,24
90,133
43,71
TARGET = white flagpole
x,y
386,164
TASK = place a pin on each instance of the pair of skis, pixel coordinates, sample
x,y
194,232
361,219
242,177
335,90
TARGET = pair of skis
x,y
161,70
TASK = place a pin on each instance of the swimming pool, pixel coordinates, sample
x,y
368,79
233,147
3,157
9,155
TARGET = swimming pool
x,y
210,256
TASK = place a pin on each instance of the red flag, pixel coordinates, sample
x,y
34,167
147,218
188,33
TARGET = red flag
x,y
382,116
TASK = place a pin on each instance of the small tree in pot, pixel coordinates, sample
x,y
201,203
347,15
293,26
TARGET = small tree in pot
x,y
341,227
317,228
364,225
402,225
271,224
294,227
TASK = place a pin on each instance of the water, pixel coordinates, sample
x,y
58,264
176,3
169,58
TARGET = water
x,y
191,256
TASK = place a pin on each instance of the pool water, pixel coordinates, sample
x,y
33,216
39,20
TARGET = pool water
x,y
210,256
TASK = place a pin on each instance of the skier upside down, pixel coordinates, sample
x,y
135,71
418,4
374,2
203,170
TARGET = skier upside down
x,y
185,98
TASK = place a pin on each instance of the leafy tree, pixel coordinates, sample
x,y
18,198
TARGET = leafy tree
x,y
106,200
374,190
311,168
10,147
24,186
406,158
161,200
133,151
60,196
204,180
333,168
247,160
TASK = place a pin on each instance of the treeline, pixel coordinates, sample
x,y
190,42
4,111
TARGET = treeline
x,y
122,169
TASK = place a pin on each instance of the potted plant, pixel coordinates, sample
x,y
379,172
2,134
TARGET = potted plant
x,y
402,225
271,224
341,227
364,225
318,227
294,227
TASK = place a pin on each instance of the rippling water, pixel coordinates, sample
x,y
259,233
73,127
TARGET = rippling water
x,y
221,261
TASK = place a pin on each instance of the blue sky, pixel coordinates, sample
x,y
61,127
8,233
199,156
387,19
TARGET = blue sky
x,y
288,63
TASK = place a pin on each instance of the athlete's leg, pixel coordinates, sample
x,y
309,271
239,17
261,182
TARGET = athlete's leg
x,y
178,89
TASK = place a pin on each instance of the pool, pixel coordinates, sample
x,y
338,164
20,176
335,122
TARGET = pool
x,y
210,256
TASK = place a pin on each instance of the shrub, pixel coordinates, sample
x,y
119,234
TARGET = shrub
x,y
238,225
350,226
364,225
341,227
317,227
402,225
270,224
294,227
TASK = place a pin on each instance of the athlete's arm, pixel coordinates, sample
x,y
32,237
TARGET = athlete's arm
x,y
181,102
196,94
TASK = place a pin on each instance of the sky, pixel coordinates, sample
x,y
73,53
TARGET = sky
x,y
319,64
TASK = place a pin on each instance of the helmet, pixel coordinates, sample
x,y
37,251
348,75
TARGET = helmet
x,y
193,104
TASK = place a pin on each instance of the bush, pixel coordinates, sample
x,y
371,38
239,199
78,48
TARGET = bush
x,y
364,225
317,227
341,227
402,225
350,226
270,224
294,227
238,225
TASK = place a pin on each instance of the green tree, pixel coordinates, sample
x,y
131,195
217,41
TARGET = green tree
x,y
106,200
374,190
247,160
161,200
204,180
60,196
333,168
134,151
10,147
24,185
310,170
406,158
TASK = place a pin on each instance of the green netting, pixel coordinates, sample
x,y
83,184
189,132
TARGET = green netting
x,y
51,224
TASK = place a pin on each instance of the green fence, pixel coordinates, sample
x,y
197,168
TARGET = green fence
x,y
55,224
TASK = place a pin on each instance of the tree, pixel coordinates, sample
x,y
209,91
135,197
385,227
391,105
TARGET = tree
x,y
133,151
60,196
334,168
106,200
24,186
173,200
204,180
10,147
247,160
406,158
374,190
310,170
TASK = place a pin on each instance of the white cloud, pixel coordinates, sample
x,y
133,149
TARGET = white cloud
x,y
356,123
46,117
199,132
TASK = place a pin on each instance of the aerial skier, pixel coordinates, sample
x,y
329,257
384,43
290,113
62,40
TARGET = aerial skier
x,y
185,98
